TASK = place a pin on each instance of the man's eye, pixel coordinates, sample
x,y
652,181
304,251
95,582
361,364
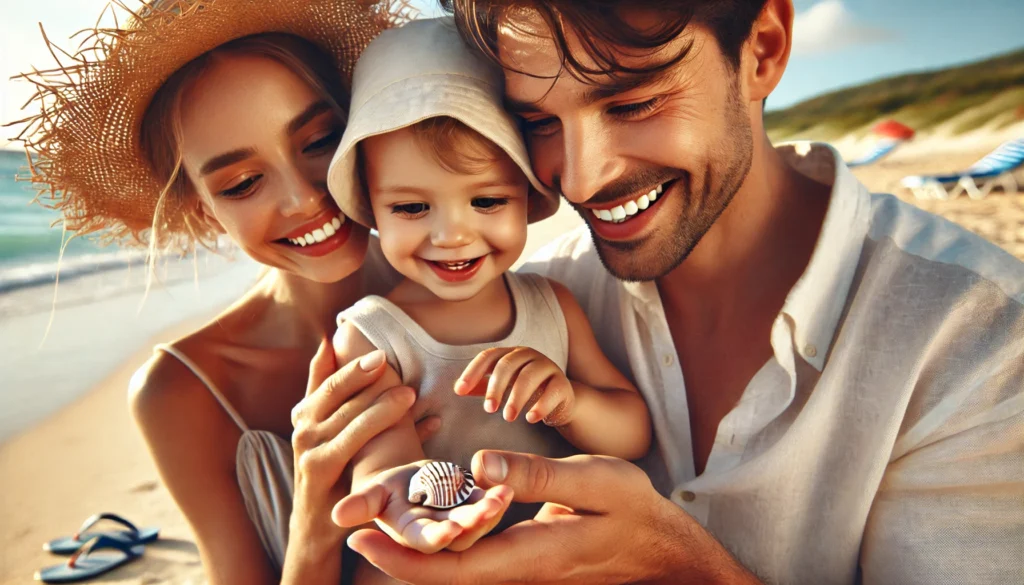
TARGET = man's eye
x,y
541,126
636,110
241,188
410,209
490,203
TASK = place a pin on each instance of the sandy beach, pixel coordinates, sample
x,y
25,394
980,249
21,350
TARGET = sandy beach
x,y
87,457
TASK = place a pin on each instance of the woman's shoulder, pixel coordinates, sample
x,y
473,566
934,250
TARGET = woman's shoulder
x,y
170,387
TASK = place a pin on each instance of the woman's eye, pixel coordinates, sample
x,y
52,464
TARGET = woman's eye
x,y
327,141
410,209
490,203
636,110
241,188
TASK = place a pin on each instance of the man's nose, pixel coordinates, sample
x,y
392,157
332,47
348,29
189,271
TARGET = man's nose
x,y
588,160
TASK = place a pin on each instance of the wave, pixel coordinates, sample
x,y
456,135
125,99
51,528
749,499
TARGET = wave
x,y
13,277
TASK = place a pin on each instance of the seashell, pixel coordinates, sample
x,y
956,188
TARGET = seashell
x,y
440,484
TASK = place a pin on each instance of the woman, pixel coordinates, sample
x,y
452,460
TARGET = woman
x,y
201,119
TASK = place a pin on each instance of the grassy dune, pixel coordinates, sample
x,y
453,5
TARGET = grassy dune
x,y
977,94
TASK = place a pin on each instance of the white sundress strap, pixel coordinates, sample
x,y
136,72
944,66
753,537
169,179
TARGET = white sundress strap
x,y
173,351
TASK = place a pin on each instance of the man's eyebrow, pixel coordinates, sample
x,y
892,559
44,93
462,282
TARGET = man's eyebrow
x,y
308,114
625,83
600,92
228,158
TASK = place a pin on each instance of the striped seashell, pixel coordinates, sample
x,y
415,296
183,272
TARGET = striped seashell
x,y
440,484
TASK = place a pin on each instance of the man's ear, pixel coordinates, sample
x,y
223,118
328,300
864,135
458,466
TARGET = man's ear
x,y
766,53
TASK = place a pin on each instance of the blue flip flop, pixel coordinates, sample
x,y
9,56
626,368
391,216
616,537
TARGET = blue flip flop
x,y
94,558
130,535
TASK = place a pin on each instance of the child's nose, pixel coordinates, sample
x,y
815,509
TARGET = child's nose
x,y
451,231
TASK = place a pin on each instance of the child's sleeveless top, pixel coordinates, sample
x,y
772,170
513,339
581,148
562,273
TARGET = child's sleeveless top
x,y
432,368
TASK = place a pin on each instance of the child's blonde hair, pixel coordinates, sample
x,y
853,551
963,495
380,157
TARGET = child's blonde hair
x,y
455,146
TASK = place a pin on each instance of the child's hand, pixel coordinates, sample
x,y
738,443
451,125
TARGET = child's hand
x,y
385,499
523,378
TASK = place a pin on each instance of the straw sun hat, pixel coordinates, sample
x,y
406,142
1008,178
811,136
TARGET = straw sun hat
x,y
85,132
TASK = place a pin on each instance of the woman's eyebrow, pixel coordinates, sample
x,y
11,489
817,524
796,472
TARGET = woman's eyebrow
x,y
314,110
228,158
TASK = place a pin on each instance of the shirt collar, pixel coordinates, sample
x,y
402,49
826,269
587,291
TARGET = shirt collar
x,y
816,302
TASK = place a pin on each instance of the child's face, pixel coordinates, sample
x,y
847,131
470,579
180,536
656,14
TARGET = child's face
x,y
451,233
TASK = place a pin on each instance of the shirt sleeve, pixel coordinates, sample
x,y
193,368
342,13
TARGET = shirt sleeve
x,y
950,507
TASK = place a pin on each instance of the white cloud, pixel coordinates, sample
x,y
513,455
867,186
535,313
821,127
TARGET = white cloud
x,y
829,26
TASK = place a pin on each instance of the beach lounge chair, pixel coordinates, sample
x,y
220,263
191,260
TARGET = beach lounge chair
x,y
880,150
996,169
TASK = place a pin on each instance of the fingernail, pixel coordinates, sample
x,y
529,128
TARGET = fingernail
x,y
496,467
490,405
371,361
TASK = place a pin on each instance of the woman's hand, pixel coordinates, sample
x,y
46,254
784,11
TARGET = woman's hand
x,y
602,522
332,423
386,500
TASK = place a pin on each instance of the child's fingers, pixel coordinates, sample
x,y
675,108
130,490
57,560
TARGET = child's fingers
x,y
498,498
552,401
429,536
360,507
528,387
477,369
504,374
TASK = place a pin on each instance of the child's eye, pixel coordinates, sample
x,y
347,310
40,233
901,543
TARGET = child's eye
x,y
241,188
490,203
410,209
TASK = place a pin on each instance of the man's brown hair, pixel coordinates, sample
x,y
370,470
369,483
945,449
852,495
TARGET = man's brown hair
x,y
600,28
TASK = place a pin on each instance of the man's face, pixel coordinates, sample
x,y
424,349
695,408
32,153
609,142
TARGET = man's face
x,y
650,162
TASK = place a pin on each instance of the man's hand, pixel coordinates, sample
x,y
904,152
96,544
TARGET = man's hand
x,y
525,380
603,523
385,499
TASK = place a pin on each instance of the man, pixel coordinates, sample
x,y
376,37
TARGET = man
x,y
834,377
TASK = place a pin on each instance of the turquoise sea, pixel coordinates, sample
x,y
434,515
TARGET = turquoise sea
x,y
29,246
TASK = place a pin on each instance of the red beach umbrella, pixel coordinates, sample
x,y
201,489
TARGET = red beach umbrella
x,y
893,129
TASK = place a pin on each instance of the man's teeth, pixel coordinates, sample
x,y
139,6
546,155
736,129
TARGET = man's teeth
x,y
620,213
321,233
456,266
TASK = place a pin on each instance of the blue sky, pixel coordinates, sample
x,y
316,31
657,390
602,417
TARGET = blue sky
x,y
837,43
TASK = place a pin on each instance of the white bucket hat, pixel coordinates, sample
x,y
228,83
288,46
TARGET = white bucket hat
x,y
419,71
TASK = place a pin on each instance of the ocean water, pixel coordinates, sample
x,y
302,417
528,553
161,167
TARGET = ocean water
x,y
30,247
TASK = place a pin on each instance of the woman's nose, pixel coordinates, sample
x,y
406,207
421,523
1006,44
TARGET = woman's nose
x,y
302,195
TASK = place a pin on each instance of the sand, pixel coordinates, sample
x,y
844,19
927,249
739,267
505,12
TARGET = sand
x,y
88,457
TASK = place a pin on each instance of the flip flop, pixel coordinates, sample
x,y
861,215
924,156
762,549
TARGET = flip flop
x,y
99,555
130,536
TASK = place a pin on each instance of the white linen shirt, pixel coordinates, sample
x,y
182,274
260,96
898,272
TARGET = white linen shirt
x,y
884,440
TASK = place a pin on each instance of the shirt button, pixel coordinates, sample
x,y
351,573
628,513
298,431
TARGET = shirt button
x,y
667,359
687,496
810,351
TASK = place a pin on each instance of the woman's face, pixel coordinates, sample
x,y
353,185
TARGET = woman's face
x,y
256,144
